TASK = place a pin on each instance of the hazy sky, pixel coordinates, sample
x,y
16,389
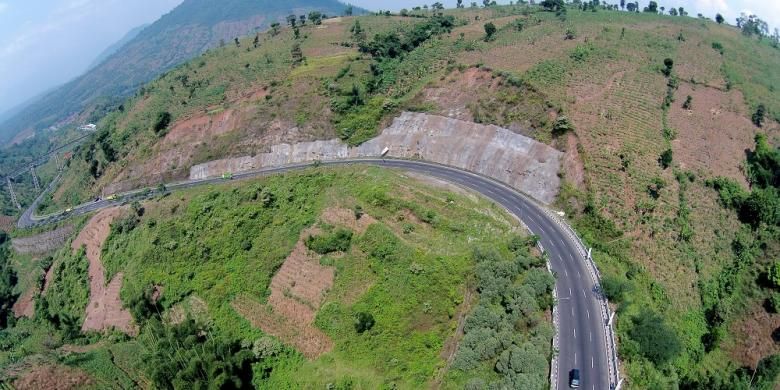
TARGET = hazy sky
x,y
44,43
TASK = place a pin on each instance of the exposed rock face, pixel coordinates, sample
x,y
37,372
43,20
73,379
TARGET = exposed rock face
x,y
519,161
42,243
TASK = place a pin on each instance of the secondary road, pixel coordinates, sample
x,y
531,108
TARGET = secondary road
x,y
581,325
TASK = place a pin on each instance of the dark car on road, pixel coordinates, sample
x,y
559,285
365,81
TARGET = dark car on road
x,y
574,378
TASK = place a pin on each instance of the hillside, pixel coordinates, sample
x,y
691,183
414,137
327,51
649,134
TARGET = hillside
x,y
114,47
307,254
185,32
668,133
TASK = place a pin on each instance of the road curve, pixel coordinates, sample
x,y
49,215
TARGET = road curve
x,y
581,328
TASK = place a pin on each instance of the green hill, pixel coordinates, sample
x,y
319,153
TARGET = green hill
x,y
669,126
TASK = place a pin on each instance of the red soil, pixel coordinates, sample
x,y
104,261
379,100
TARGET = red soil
x,y
104,310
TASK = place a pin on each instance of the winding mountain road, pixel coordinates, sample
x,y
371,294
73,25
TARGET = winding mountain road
x,y
582,331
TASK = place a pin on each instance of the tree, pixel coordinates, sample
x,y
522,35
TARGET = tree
x,y
358,34
238,43
348,10
296,33
162,122
719,18
275,26
302,20
315,17
460,4
752,25
622,4
668,65
631,7
657,341
553,5
666,158
758,116
681,11
292,20
614,288
688,104
364,322
297,54
673,12
652,7
490,30
256,41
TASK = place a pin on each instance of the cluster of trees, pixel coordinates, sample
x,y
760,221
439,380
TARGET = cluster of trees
x,y
190,356
8,281
394,44
762,203
513,291
337,241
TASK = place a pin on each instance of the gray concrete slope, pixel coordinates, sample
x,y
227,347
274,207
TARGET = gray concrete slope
x,y
581,327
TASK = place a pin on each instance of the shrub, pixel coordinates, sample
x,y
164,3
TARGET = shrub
x,y
688,103
773,302
666,159
364,322
657,341
668,65
338,241
162,122
614,288
758,116
490,30
718,47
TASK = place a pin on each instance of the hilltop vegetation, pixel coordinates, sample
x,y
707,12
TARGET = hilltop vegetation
x,y
402,284
655,113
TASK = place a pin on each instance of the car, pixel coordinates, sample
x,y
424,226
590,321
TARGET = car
x,y
227,176
111,197
68,210
574,378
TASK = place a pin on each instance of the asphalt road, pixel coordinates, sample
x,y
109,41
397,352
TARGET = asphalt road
x,y
581,327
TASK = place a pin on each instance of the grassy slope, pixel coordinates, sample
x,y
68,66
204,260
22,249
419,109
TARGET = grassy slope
x,y
413,322
625,120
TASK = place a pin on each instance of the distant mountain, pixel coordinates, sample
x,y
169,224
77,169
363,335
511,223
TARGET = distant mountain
x,y
117,45
188,30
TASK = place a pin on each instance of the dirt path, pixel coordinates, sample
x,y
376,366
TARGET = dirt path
x,y
25,305
104,310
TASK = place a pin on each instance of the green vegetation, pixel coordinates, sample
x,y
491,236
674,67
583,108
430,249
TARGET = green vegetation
x,y
506,332
394,303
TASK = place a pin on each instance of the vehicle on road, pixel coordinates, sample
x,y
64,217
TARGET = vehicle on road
x,y
111,197
227,176
68,210
574,378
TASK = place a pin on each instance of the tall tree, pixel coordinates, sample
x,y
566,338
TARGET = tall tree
x,y
315,17
292,20
652,7
719,18
348,10
622,4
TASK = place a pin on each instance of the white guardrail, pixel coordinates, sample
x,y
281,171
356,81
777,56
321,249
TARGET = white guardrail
x,y
606,314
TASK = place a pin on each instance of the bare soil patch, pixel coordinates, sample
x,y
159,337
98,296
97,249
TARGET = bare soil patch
x,y
297,292
53,377
104,310
7,223
753,337
713,135
456,92
25,305
346,218
572,162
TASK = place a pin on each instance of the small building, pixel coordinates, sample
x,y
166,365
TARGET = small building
x,y
88,127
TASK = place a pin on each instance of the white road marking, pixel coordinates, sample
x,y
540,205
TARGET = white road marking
x,y
575,358
591,362
590,336
575,332
569,291
565,271
578,274
583,294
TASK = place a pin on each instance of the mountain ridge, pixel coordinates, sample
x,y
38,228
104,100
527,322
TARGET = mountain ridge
x,y
198,23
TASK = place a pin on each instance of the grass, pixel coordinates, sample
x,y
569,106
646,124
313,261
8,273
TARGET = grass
x,y
180,245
